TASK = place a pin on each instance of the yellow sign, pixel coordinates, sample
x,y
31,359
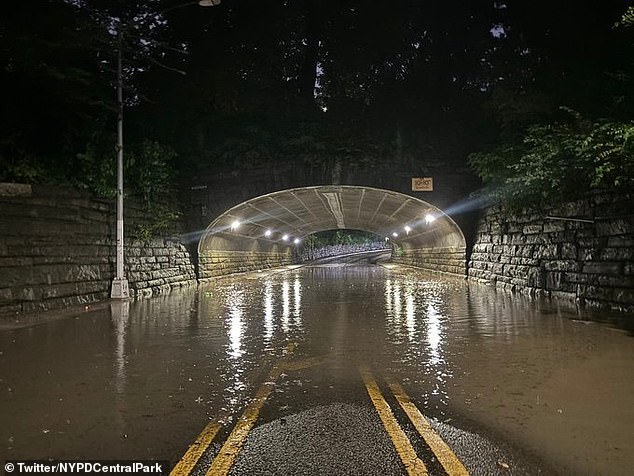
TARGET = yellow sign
x,y
422,184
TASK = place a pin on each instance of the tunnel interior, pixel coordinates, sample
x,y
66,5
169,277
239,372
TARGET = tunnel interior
x,y
262,232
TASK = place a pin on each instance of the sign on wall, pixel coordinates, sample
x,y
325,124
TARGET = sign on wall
x,y
422,184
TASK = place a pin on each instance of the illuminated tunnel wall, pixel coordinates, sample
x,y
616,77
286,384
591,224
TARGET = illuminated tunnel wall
x,y
262,232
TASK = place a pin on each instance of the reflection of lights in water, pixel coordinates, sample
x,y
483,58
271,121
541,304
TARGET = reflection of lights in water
x,y
410,311
120,315
397,302
235,303
388,297
268,310
286,305
434,335
297,288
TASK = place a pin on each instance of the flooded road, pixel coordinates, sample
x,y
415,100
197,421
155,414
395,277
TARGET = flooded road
x,y
141,379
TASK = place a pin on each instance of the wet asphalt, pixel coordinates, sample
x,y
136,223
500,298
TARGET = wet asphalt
x,y
512,385
320,421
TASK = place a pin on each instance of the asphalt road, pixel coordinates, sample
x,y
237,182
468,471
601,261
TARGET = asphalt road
x,y
323,416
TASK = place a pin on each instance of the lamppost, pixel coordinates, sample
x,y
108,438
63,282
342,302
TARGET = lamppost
x,y
120,288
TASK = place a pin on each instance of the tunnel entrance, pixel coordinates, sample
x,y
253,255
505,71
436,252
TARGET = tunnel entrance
x,y
265,231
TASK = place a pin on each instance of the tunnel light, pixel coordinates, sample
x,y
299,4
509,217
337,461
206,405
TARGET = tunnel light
x,y
235,225
268,233
297,241
285,237
407,229
429,218
395,235
387,238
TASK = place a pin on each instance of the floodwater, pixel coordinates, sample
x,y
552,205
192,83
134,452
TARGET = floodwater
x,y
141,379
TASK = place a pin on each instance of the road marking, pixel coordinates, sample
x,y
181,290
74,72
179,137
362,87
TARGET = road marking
x,y
445,455
227,455
413,464
305,363
196,450
186,464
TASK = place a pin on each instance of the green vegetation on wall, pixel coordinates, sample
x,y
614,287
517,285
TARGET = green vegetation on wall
x,y
339,237
560,159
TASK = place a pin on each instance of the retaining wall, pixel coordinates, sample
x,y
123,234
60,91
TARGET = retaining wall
x,y
581,250
57,248
215,263
221,254
451,260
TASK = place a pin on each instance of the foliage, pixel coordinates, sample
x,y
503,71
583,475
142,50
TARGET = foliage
x,y
339,237
148,178
560,159
150,171
627,20
95,168
18,166
160,222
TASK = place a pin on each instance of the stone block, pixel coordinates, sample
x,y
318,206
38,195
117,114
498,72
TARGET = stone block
x,y
6,295
619,226
554,226
514,228
615,281
554,280
532,229
600,267
537,239
623,296
623,241
588,254
562,265
529,261
549,251
608,294
13,261
578,278
569,251
617,254
535,277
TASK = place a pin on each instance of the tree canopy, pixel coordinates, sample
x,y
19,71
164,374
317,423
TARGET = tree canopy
x,y
422,82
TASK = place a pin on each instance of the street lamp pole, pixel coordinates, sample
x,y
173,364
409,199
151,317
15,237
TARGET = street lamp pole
x,y
120,288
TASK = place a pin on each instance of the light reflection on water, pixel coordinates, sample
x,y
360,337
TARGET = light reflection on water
x,y
269,326
235,303
182,358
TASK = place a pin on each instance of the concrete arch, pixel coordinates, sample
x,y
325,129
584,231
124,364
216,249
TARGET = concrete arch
x,y
260,232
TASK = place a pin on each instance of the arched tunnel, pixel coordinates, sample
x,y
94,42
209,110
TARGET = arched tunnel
x,y
262,232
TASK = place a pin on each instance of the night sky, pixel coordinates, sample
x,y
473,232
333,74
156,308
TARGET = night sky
x,y
246,82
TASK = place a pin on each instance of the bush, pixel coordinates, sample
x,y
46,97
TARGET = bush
x,y
557,160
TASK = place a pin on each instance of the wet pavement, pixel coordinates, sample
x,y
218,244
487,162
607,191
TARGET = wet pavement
x,y
512,385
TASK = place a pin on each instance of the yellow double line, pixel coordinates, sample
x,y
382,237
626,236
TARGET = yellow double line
x,y
413,464
227,455
229,452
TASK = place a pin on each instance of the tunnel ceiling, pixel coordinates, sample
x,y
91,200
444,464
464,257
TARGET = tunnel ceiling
x,y
299,212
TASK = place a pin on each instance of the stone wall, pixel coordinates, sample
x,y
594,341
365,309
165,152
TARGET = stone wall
x,y
581,250
219,263
57,249
449,260
221,254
